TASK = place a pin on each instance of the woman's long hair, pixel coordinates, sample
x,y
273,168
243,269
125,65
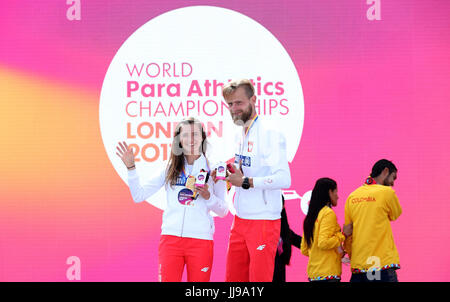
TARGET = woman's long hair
x,y
320,198
176,160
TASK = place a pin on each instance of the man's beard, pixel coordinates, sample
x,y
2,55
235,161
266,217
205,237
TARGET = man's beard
x,y
243,117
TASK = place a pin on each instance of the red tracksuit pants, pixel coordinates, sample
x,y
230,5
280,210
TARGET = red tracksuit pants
x,y
176,252
251,250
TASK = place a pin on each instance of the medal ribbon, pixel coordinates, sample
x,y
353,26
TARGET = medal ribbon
x,y
246,133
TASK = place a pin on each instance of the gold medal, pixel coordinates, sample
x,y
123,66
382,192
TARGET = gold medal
x,y
190,183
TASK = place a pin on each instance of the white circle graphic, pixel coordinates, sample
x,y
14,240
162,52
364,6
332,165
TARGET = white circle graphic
x,y
173,66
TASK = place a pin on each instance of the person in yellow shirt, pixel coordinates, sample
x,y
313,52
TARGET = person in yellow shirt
x,y
322,237
368,213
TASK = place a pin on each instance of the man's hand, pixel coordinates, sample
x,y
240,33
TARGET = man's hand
x,y
236,178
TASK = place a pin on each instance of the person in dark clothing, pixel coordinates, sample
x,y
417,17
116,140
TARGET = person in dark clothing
x,y
283,255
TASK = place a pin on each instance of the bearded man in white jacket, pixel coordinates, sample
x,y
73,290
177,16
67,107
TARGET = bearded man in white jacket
x,y
261,171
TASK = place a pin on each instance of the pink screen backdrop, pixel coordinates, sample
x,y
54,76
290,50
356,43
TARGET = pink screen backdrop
x,y
372,89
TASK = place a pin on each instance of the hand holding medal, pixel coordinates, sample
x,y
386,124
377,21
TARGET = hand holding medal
x,y
201,185
236,176
203,191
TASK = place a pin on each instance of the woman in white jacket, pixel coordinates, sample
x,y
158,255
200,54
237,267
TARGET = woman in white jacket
x,y
187,225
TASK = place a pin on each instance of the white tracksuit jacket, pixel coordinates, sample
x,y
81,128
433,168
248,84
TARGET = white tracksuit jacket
x,y
263,155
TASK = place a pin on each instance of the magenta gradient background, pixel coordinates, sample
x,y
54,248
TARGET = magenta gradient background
x,y
372,89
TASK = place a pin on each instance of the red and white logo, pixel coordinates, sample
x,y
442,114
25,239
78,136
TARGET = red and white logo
x,y
205,269
250,146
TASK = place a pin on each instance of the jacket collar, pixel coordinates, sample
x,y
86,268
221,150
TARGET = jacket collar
x,y
199,163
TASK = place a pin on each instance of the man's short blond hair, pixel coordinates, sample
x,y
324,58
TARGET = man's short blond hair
x,y
232,86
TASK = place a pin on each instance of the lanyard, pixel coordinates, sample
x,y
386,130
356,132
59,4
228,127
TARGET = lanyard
x,y
251,124
246,133
183,173
181,181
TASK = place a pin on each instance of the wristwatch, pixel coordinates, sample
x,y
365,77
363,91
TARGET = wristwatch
x,y
246,184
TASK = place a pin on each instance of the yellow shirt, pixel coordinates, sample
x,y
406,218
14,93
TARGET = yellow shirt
x,y
371,247
324,259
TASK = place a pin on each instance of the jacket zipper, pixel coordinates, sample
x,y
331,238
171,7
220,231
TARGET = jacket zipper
x,y
184,212
182,223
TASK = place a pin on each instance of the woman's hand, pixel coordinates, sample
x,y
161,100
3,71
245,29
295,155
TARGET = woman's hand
x,y
204,192
126,155
341,251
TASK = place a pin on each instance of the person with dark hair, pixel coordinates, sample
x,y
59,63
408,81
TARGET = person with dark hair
x,y
322,236
368,213
288,238
187,225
